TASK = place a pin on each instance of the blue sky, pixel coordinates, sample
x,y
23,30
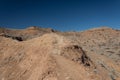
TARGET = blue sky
x,y
63,15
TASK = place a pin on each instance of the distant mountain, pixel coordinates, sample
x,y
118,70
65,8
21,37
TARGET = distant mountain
x,y
45,54
25,34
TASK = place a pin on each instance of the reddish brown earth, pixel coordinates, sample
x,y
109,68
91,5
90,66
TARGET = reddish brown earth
x,y
45,54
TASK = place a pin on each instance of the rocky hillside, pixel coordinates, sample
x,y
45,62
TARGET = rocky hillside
x,y
45,54
25,34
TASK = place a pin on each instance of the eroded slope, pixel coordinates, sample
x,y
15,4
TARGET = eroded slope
x,y
61,56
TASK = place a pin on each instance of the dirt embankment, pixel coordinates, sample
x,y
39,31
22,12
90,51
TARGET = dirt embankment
x,y
45,54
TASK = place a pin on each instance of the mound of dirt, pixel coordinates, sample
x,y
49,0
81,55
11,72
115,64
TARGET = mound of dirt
x,y
52,55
